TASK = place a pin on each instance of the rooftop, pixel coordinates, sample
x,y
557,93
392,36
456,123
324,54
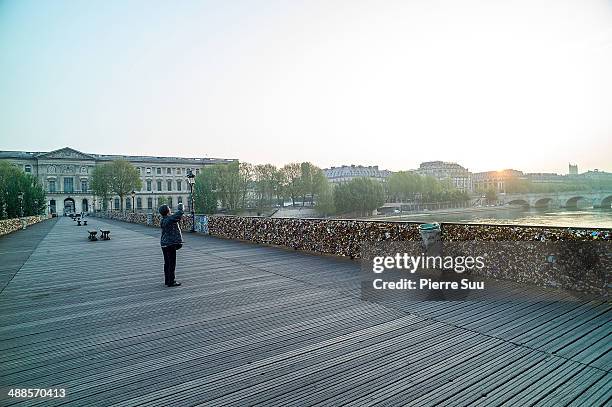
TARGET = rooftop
x,y
108,157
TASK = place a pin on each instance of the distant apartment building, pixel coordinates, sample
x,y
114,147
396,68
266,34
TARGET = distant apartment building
x,y
494,180
65,174
594,175
345,173
545,178
456,175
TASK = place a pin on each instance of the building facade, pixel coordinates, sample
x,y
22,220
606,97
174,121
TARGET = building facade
x,y
456,175
494,180
346,173
66,177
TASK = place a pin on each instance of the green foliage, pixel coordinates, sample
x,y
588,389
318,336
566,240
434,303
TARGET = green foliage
x,y
266,184
292,181
118,177
404,185
312,181
224,183
491,195
360,196
101,183
407,186
325,201
12,182
205,191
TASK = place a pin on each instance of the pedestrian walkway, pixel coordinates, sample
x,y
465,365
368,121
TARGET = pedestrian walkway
x,y
262,325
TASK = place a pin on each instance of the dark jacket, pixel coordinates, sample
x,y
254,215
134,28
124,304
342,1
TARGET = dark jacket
x,y
171,233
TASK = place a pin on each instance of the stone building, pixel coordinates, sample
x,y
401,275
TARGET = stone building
x,y
66,176
456,175
494,180
347,173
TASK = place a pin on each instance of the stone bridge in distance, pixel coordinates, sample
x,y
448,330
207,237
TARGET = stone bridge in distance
x,y
573,200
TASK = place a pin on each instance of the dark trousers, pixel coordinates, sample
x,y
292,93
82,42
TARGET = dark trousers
x,y
169,263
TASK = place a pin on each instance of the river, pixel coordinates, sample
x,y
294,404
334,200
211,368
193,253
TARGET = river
x,y
597,218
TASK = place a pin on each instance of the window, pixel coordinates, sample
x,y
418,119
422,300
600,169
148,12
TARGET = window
x,y
150,203
170,202
139,203
168,170
179,185
159,185
139,170
179,199
197,171
28,169
83,170
158,170
84,186
116,203
169,185
148,170
178,171
51,186
128,203
68,184
148,185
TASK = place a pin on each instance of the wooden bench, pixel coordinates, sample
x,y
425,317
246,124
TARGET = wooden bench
x,y
93,235
104,234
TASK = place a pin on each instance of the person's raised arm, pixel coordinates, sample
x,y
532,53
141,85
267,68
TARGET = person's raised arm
x,y
176,216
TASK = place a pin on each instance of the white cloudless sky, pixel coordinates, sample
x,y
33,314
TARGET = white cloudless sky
x,y
489,84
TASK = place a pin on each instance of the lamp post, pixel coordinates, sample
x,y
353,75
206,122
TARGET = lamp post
x,y
191,181
20,197
5,205
133,193
23,222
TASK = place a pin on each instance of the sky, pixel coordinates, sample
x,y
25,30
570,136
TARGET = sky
x,y
489,84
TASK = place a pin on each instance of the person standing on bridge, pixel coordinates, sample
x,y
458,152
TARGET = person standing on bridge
x,y
171,241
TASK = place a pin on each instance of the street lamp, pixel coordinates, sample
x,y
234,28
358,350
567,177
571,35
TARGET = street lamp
x,y
191,181
20,197
133,193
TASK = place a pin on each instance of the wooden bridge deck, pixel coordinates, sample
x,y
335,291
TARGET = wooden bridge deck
x,y
267,326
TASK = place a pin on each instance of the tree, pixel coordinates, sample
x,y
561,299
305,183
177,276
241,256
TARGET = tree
x,y
124,178
205,191
404,185
13,181
312,181
265,184
279,184
246,173
225,183
491,195
431,189
292,174
360,196
101,183
325,200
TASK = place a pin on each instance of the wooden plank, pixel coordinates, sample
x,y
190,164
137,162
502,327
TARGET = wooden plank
x,y
255,324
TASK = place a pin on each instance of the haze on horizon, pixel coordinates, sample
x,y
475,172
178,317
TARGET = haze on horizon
x,y
487,84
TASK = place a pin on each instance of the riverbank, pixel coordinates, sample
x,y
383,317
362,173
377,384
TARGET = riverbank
x,y
573,218
452,211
